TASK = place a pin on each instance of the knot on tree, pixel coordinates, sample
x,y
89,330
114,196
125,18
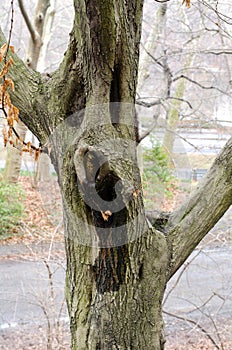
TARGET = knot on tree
x,y
40,17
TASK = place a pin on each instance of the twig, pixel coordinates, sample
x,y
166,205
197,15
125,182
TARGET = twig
x,y
11,29
44,307
52,298
182,100
161,1
160,101
179,277
184,139
149,104
182,76
52,240
146,133
58,321
199,308
195,324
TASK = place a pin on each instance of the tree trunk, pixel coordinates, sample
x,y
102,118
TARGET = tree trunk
x,y
113,301
115,284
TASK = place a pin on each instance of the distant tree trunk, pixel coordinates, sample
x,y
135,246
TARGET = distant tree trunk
x,y
42,170
150,47
117,263
14,157
173,113
173,117
153,40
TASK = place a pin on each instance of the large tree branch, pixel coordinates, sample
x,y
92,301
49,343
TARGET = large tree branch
x,y
206,205
96,56
69,84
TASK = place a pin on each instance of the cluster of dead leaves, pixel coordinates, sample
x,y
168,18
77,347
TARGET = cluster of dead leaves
x,y
187,3
10,111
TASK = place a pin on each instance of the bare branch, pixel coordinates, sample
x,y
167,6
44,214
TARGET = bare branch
x,y
28,97
220,15
149,104
203,330
182,100
218,52
208,315
162,1
11,28
30,27
52,239
153,58
184,139
200,85
160,101
154,124
180,275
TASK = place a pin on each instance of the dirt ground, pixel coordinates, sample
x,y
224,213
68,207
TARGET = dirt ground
x,y
36,338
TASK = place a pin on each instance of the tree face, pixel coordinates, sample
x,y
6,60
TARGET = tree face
x,y
106,178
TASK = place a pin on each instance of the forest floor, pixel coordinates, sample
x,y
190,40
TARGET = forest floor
x,y
39,237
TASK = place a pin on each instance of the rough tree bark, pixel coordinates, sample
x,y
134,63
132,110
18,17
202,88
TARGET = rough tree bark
x,y
117,263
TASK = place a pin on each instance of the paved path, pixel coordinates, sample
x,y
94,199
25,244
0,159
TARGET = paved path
x,y
205,284
24,288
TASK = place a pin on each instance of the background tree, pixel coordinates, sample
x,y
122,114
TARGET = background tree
x,y
199,34
118,265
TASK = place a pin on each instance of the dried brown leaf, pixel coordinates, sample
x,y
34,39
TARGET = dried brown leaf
x,y
2,51
12,48
5,136
8,83
187,3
